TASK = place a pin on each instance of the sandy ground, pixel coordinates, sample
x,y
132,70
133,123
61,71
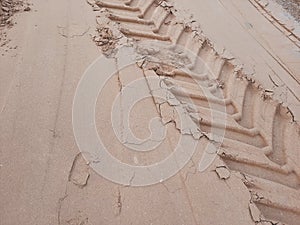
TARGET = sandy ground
x,y
254,178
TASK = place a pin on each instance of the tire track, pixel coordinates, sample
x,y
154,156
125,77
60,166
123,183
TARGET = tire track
x,y
259,146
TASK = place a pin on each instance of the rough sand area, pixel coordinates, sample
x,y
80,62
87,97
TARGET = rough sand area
x,y
292,6
7,10
149,112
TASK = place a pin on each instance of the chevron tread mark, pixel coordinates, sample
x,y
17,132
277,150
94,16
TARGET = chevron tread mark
x,y
262,148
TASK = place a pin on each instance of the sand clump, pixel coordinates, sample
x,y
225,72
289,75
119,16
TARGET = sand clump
x,y
9,8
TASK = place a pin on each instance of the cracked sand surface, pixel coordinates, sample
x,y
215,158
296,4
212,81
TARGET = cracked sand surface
x,y
44,178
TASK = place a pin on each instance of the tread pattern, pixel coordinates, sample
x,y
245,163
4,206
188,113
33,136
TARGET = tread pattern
x,y
263,148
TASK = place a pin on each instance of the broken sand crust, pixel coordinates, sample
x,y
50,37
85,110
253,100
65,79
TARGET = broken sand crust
x,y
44,181
162,32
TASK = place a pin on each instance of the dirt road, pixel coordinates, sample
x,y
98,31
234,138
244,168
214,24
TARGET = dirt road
x,y
227,71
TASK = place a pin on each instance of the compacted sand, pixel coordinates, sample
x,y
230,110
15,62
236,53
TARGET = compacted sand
x,y
196,102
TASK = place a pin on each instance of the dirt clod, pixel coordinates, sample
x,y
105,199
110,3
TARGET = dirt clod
x,y
27,9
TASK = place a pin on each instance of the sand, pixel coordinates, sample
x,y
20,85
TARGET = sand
x,y
197,104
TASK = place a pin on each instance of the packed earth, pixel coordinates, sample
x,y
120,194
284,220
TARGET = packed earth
x,y
141,112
